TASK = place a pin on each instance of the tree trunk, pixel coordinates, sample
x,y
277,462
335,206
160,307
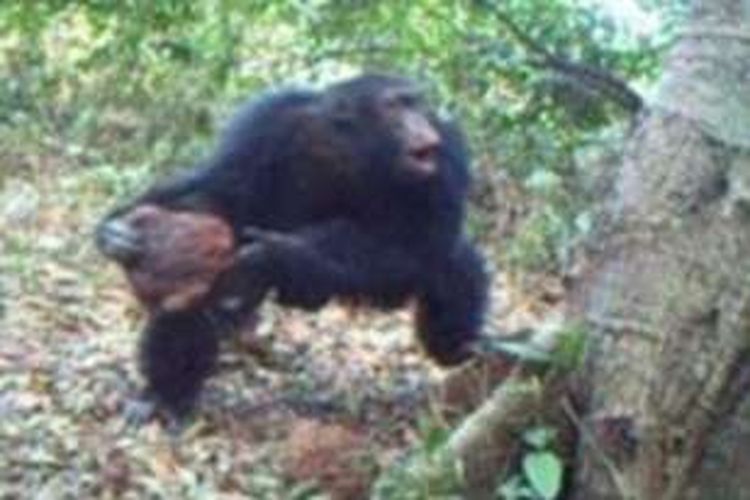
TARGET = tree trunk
x,y
667,290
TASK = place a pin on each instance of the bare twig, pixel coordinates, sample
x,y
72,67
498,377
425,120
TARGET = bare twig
x,y
599,79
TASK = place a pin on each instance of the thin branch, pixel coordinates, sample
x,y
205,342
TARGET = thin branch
x,y
605,82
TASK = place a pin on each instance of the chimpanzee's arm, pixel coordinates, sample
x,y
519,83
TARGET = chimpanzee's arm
x,y
451,305
308,267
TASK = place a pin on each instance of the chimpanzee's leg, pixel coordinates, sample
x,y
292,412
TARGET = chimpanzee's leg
x,y
178,351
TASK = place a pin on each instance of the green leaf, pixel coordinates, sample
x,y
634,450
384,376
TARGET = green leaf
x,y
539,437
544,472
522,350
433,436
570,352
514,489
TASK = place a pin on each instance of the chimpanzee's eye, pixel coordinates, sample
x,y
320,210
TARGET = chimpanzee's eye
x,y
409,100
392,102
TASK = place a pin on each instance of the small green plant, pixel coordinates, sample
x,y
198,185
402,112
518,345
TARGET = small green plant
x,y
541,474
428,473
570,349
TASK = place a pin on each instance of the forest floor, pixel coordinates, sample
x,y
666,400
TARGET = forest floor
x,y
328,398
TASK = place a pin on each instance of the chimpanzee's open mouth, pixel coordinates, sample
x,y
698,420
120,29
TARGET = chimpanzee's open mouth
x,y
424,158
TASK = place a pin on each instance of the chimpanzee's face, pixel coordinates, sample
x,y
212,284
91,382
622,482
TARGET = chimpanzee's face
x,y
402,110
389,113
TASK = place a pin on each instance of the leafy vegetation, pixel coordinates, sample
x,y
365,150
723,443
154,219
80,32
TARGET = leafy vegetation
x,y
541,477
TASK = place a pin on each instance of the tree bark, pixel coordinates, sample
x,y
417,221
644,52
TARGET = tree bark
x,y
666,296
667,290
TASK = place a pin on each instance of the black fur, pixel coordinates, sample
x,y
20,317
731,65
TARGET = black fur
x,y
178,351
313,182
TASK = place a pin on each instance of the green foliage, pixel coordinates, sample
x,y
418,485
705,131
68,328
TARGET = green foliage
x,y
541,474
430,472
570,349
544,473
569,341
523,351
539,438
538,240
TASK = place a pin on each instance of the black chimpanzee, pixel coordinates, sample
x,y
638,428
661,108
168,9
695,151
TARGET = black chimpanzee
x,y
357,191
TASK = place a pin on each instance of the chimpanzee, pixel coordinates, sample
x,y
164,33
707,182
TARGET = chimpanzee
x,y
356,191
